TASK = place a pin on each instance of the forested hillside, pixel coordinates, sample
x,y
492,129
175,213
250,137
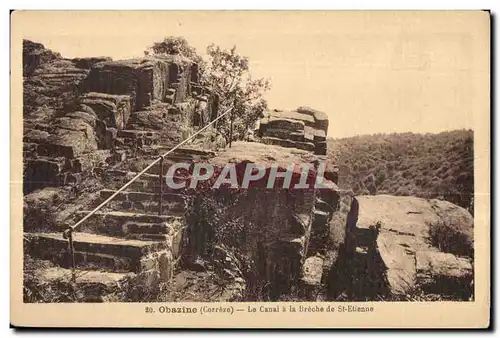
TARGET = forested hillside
x,y
424,165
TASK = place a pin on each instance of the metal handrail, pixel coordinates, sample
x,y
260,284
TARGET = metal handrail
x,y
68,233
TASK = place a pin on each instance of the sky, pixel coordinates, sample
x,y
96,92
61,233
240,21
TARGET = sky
x,y
371,72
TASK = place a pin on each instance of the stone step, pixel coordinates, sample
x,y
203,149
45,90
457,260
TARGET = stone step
x,y
195,153
172,158
136,196
84,260
92,286
94,244
146,207
168,162
95,252
146,183
121,223
131,165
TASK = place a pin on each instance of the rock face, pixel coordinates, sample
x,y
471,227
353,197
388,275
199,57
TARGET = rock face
x,y
113,110
144,80
394,244
53,84
74,107
35,55
58,149
276,232
304,128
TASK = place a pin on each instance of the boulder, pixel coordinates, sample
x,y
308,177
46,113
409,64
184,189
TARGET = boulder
x,y
309,134
313,269
70,137
36,136
402,231
89,286
88,161
40,206
39,115
88,117
402,215
113,110
156,117
125,77
321,118
317,135
303,125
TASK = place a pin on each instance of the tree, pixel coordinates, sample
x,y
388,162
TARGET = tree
x,y
228,74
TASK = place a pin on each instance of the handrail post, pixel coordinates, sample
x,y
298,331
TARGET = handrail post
x,y
160,176
68,234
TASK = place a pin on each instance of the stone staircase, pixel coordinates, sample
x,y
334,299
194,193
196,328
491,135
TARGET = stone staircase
x,y
128,240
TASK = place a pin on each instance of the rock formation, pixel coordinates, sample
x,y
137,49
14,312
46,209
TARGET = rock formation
x,y
279,225
91,124
397,244
77,108
303,128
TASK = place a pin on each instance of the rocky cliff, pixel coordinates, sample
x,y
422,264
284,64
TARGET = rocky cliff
x,y
79,112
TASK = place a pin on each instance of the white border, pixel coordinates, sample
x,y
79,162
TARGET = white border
x,y
185,4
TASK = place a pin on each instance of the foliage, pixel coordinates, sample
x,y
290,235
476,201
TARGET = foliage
x,y
36,290
220,218
174,45
214,220
423,165
226,73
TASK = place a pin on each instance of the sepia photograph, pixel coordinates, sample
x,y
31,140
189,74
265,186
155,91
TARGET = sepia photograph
x,y
253,161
